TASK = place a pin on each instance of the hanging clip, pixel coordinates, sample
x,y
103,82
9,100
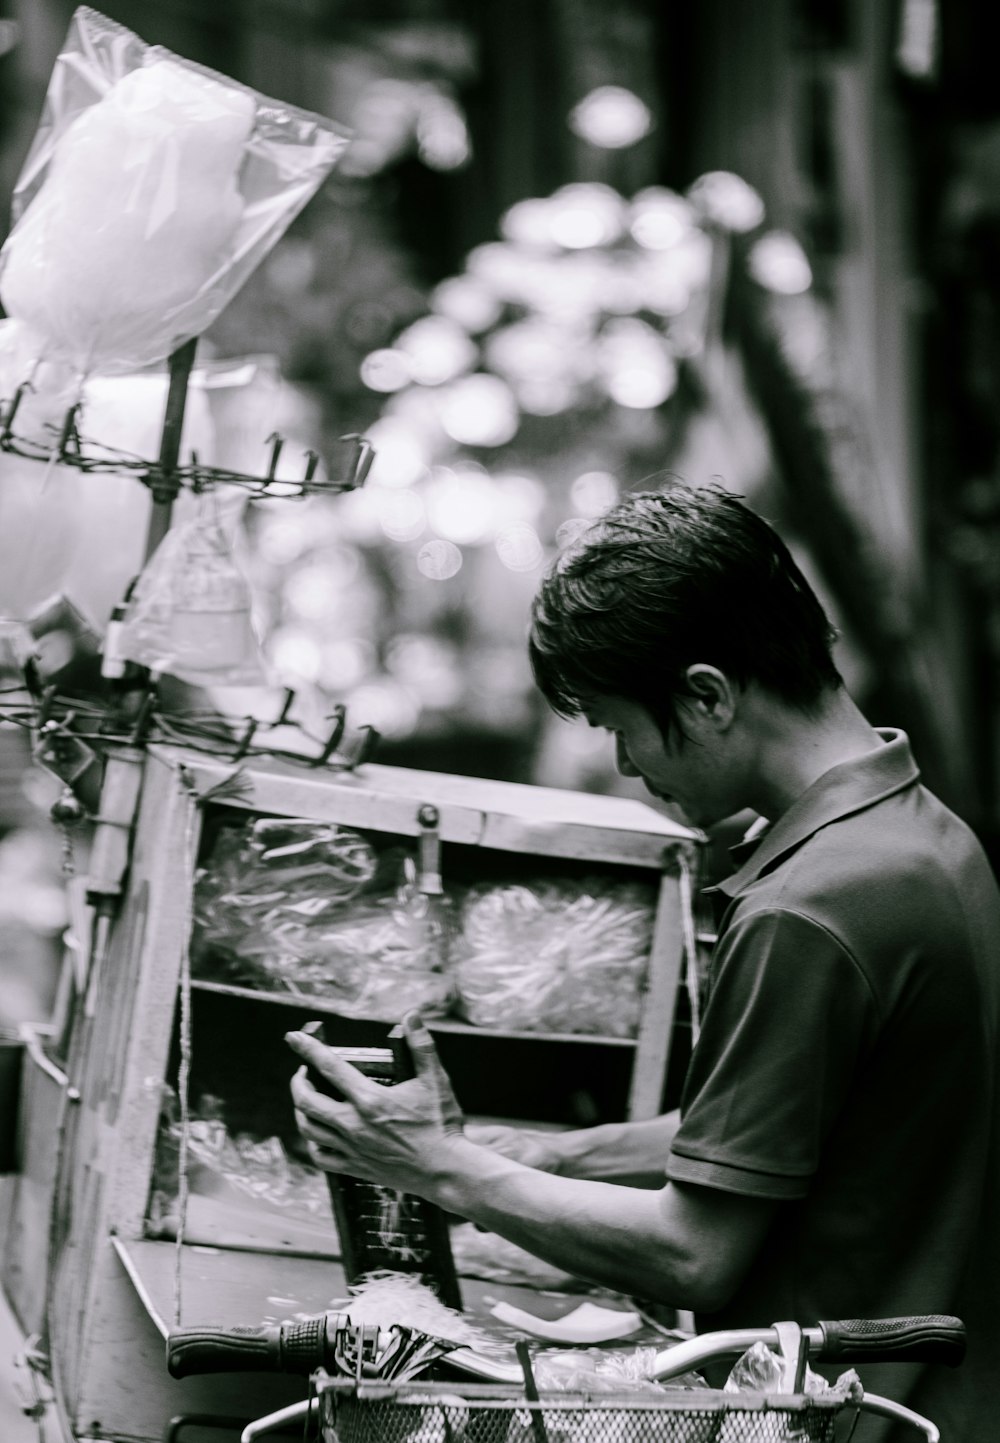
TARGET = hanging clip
x,y
286,707
312,462
361,461
429,852
369,741
246,740
144,716
199,481
333,740
276,443
69,437
15,401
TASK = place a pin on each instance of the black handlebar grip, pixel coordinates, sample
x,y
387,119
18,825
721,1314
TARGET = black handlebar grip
x,y
935,1338
223,1350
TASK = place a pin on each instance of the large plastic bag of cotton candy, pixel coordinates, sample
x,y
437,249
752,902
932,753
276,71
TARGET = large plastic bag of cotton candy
x,y
152,190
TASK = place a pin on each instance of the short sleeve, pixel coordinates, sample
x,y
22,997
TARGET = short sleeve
x,y
788,1018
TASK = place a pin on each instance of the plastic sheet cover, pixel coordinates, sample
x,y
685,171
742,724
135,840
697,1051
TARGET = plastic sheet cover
x,y
310,908
153,188
556,956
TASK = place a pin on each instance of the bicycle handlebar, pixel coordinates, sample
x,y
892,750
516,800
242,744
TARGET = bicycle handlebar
x,y
304,1346
934,1338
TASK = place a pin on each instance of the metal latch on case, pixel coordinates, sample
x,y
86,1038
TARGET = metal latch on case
x,y
429,853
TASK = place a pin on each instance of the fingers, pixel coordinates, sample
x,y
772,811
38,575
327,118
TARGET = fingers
x,y
328,1158
355,1087
428,1068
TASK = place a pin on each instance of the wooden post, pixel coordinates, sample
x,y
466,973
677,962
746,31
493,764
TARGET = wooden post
x,y
166,485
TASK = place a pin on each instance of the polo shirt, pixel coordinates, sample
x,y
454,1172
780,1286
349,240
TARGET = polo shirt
x,y
847,1067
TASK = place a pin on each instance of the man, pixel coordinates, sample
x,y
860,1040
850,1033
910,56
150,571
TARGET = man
x,y
836,1152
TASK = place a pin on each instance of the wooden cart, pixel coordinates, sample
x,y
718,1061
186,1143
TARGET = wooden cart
x,y
82,1265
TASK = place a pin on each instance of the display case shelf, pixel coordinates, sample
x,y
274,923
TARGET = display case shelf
x,y
323,1007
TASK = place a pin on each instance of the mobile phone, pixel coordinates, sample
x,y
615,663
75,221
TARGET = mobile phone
x,y
381,1229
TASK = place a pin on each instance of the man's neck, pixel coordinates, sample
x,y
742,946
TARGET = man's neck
x,y
793,749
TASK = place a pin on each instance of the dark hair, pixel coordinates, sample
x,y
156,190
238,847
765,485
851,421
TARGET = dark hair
x,y
669,578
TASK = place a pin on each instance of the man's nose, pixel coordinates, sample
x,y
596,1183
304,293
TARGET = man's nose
x,y
623,761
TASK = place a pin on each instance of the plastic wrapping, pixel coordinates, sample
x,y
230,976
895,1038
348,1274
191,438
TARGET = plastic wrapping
x,y
760,1370
152,189
55,520
555,956
604,1370
191,611
309,908
258,1169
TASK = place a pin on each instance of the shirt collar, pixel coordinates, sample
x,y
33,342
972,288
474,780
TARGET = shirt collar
x,y
848,787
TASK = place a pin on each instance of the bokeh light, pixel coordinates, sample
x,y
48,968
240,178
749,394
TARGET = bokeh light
x,y
282,538
520,498
778,263
585,214
594,492
428,666
467,301
461,506
400,454
314,592
659,218
528,223
345,662
520,548
439,560
480,410
637,368
437,349
727,201
568,532
611,117
294,656
640,387
402,515
546,396
386,370
384,704
442,135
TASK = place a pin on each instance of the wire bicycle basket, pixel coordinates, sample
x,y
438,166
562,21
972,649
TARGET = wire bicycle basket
x,y
444,1413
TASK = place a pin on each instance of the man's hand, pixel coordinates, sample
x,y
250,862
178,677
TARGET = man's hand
x,y
397,1136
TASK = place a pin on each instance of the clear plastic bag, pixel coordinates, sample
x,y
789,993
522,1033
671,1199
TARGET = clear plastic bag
x,y
760,1370
251,1168
604,1370
257,884
153,188
307,907
191,611
380,957
559,956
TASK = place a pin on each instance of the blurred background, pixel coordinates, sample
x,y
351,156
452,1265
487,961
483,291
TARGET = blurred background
x,y
577,247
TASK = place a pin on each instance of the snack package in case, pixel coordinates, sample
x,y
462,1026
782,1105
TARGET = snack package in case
x,y
310,908
152,190
557,955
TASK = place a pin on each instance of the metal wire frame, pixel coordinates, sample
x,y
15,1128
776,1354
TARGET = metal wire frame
x,y
68,448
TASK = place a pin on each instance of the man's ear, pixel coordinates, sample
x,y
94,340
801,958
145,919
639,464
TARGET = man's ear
x,y
711,694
